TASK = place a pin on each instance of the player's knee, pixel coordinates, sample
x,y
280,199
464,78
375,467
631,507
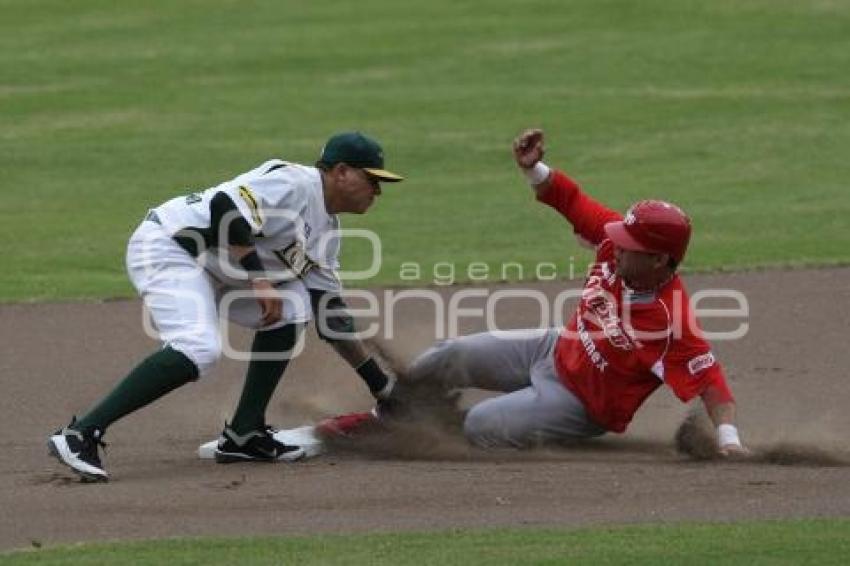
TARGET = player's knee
x,y
207,357
204,355
438,361
484,426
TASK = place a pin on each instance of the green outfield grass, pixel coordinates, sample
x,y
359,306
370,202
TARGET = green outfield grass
x,y
739,110
750,544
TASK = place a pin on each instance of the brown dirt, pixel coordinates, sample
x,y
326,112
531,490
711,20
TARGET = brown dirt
x,y
789,375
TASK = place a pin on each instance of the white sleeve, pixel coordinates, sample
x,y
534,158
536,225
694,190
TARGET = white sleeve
x,y
269,203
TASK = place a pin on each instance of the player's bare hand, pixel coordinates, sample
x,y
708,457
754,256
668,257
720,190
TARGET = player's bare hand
x,y
528,148
271,305
734,452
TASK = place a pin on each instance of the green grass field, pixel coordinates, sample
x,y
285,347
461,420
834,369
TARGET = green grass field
x,y
750,544
739,110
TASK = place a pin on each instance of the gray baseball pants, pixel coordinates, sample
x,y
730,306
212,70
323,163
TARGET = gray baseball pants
x,y
535,408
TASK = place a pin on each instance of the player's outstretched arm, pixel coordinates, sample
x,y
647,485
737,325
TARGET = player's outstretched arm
x,y
721,409
528,152
335,325
556,189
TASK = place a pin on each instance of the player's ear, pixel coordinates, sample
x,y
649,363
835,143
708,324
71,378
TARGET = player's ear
x,y
661,260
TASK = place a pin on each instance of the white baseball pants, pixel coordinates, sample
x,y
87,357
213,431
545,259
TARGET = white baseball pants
x,y
184,300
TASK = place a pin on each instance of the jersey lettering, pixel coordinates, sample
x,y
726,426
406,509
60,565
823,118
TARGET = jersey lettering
x,y
602,303
699,363
590,347
296,259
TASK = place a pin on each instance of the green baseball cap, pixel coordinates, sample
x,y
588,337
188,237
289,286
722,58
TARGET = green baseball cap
x,y
357,150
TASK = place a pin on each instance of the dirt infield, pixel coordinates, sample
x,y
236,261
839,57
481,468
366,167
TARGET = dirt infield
x,y
789,374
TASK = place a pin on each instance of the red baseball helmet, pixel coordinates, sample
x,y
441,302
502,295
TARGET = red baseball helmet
x,y
653,226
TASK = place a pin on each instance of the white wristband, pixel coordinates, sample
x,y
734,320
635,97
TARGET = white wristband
x,y
537,174
727,434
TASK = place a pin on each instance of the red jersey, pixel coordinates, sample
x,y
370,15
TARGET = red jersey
x,y
621,345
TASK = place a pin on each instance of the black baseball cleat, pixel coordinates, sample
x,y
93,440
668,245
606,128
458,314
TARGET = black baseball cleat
x,y
255,446
77,449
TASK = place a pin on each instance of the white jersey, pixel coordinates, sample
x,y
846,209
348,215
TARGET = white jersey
x,y
283,203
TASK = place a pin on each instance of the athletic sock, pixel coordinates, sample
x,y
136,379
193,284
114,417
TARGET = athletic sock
x,y
155,376
262,377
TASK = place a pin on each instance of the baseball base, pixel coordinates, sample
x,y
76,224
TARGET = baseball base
x,y
309,437
303,436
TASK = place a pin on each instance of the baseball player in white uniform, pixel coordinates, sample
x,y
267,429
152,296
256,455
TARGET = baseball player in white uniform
x,y
262,251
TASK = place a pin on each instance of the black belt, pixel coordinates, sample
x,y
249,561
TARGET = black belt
x,y
152,216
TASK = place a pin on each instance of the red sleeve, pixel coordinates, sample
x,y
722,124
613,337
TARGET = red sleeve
x,y
690,373
690,367
717,392
587,215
